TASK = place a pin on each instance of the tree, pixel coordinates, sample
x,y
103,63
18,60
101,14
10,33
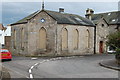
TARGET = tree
x,y
114,41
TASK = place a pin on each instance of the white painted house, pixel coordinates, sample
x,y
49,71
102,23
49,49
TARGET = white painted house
x,y
8,31
4,31
2,34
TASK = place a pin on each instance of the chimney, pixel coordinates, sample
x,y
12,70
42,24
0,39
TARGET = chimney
x,y
89,13
61,10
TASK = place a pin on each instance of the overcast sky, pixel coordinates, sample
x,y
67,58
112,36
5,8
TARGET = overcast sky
x,y
60,0
14,11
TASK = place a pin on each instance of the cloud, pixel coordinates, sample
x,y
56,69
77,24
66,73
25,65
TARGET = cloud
x,y
60,0
0,12
14,11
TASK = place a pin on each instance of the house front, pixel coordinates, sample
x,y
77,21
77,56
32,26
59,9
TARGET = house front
x,y
52,33
2,34
106,23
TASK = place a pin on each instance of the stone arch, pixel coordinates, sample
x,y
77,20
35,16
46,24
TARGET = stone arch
x,y
22,38
64,39
42,38
88,38
75,39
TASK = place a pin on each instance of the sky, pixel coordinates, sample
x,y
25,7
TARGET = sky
x,y
14,11
60,0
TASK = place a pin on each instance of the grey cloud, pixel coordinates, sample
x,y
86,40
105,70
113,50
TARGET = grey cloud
x,y
13,11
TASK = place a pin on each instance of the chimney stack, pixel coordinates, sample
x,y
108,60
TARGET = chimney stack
x,y
61,10
89,13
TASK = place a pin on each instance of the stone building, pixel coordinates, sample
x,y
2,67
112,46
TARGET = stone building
x,y
106,23
53,33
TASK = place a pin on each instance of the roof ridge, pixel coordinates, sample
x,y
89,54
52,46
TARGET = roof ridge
x,y
62,12
107,12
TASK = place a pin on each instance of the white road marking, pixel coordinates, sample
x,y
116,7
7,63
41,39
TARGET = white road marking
x,y
34,58
52,59
36,64
30,70
42,61
32,67
31,76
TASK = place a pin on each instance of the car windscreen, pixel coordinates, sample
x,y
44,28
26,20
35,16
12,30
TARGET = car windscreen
x,y
4,51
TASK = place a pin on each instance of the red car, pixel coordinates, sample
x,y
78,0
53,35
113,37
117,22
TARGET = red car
x,y
5,54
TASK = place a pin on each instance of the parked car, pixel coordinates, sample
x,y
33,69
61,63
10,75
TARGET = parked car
x,y
5,54
111,50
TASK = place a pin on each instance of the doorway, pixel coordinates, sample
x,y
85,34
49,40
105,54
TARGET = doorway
x,y
101,47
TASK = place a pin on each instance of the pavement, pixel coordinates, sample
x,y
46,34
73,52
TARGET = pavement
x,y
112,64
4,74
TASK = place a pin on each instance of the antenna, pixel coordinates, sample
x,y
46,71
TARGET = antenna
x,y
42,4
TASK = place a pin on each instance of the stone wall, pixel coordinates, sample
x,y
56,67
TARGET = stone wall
x,y
35,26
102,31
18,49
82,48
53,37
7,42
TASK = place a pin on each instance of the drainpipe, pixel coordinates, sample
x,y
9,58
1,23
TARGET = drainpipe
x,y
56,52
94,39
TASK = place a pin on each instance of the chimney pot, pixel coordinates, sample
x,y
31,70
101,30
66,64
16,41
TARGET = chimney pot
x,y
61,10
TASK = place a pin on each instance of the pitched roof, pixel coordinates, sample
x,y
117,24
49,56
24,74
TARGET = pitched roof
x,y
2,27
65,18
61,18
110,17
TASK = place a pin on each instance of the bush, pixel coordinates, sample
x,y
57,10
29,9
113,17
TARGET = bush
x,y
114,41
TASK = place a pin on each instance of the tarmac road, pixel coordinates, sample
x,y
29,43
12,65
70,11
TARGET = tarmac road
x,y
76,67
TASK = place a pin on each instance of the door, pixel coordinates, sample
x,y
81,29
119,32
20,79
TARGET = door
x,y
101,47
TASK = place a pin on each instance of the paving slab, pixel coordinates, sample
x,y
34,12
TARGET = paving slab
x,y
112,64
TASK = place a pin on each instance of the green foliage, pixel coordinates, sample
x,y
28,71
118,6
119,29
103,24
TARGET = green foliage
x,y
117,50
114,41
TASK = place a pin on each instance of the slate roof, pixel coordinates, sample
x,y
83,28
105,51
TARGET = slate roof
x,y
61,18
110,17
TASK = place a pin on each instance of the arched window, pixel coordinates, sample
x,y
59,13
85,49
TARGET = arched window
x,y
14,37
64,39
42,38
88,39
22,38
75,39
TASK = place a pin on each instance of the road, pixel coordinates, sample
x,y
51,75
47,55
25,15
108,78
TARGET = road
x,y
75,67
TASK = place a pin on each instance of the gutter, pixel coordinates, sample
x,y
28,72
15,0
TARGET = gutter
x,y
18,23
94,39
